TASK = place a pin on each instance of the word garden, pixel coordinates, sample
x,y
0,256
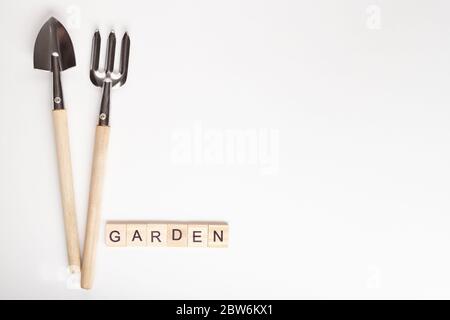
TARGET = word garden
x,y
173,234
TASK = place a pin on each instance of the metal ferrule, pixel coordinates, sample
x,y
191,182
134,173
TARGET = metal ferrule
x,y
105,105
58,102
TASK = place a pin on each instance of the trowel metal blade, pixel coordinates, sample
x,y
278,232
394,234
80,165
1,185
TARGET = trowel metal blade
x,y
53,39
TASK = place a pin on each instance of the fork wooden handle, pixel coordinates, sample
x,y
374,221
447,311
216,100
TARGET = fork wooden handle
x,y
94,206
66,186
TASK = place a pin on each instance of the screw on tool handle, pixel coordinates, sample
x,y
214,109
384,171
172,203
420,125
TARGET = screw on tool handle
x,y
58,102
105,104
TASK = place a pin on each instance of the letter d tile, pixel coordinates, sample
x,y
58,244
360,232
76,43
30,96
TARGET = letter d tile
x,y
177,235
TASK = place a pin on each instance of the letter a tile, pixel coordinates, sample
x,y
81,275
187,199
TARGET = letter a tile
x,y
136,235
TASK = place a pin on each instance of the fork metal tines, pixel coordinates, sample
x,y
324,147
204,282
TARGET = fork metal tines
x,y
108,78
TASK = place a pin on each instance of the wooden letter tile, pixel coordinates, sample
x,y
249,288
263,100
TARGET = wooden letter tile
x,y
157,235
116,235
218,235
177,235
160,234
197,235
136,235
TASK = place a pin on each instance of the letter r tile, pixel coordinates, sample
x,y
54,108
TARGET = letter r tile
x,y
157,235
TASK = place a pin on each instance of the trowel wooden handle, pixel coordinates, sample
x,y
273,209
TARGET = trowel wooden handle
x,y
94,207
66,186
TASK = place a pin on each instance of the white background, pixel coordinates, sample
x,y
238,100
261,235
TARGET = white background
x,y
357,92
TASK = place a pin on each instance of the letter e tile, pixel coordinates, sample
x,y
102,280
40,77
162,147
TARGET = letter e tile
x,y
197,235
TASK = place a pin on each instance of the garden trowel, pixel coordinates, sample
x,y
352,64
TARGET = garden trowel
x,y
53,51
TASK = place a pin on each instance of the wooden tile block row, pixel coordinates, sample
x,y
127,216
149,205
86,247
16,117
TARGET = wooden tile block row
x,y
166,235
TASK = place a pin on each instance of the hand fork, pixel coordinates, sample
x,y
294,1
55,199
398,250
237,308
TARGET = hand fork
x,y
106,79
